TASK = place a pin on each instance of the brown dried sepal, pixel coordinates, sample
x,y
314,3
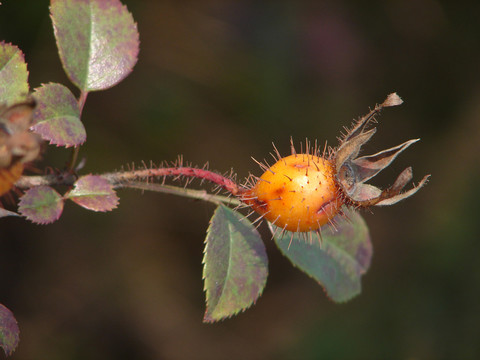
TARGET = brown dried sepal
x,y
9,176
18,145
353,171
17,142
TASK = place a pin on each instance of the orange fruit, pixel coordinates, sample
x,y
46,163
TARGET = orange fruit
x,y
298,193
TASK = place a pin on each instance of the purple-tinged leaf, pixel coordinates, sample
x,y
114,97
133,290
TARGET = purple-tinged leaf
x,y
235,265
13,75
9,332
338,260
97,41
57,116
41,205
4,213
94,193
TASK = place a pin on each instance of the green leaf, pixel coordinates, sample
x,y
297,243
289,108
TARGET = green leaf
x,y
13,75
339,262
57,116
41,205
9,333
97,41
235,265
94,193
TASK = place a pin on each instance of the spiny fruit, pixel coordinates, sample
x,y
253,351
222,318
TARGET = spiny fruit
x,y
303,192
298,193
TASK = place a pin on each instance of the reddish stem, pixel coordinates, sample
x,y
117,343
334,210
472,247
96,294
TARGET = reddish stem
x,y
120,178
81,103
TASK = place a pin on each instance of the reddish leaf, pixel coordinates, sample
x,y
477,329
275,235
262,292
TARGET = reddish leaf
x,y
94,193
97,41
41,205
13,74
9,332
57,116
235,265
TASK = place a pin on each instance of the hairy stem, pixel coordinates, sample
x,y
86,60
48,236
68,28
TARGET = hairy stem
x,y
190,193
138,179
126,177
26,182
81,100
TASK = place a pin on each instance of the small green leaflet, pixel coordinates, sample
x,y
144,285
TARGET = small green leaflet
x,y
339,262
235,265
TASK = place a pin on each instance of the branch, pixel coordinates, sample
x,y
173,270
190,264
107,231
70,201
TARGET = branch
x,y
193,194
26,182
126,177
138,179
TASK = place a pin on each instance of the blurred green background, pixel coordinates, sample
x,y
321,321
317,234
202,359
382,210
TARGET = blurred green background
x,y
218,81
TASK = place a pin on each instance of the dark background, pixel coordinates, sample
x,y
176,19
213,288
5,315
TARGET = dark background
x,y
218,81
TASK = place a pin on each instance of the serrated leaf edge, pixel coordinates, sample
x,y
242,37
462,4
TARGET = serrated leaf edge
x,y
207,319
60,200
350,257
68,195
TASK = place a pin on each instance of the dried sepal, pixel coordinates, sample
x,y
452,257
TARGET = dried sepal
x,y
18,117
393,199
18,145
353,171
357,136
350,149
364,193
367,167
17,142
392,100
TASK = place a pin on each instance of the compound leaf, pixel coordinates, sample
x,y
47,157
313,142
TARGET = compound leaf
x,y
97,41
41,205
235,265
9,332
339,261
13,74
94,192
57,116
